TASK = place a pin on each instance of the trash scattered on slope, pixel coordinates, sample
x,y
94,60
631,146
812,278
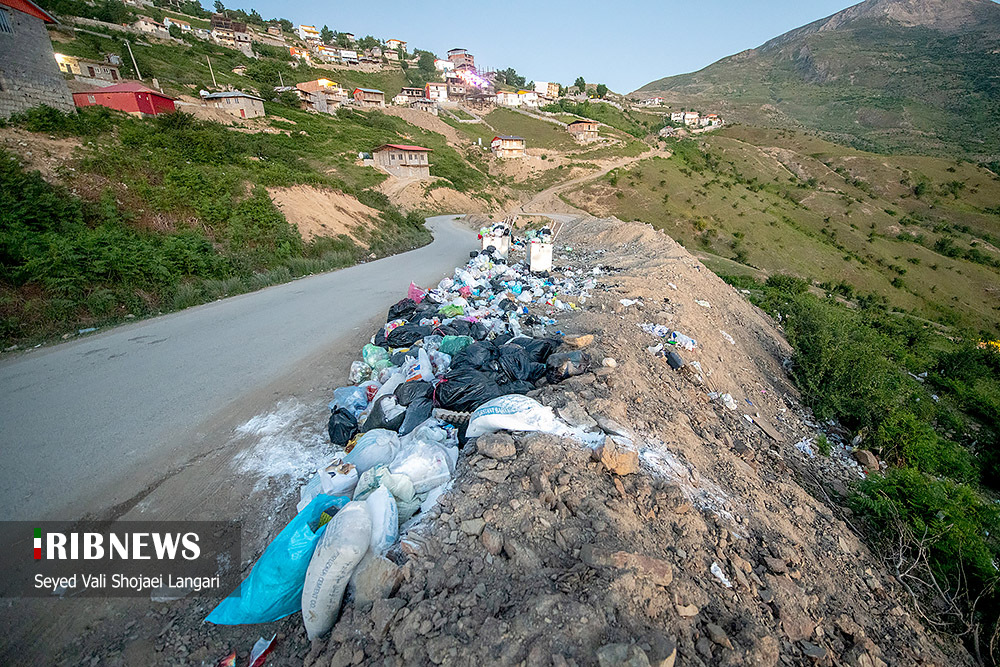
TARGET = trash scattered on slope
x,y
703,303
720,575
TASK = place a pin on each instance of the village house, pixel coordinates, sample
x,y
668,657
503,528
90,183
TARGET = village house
x,y
407,95
151,27
240,70
528,98
584,131
170,21
321,95
328,54
711,120
308,34
653,102
300,54
506,98
403,161
231,33
29,74
349,56
395,44
424,104
237,103
349,37
459,57
388,54
436,92
274,30
546,89
369,97
443,65
690,118
457,90
94,72
131,97
506,146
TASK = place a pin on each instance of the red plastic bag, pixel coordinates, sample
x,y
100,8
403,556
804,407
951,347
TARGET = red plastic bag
x,y
416,293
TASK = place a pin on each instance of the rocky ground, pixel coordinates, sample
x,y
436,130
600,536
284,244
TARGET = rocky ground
x,y
714,538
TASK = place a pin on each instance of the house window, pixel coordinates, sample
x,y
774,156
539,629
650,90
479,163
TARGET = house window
x,y
90,98
5,24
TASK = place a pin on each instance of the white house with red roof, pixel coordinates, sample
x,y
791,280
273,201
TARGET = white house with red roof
x,y
403,161
29,73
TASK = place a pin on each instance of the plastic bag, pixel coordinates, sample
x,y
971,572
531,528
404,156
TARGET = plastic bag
x,y
376,447
400,486
273,589
353,399
373,353
385,414
385,520
515,364
408,392
425,463
465,389
339,478
341,547
538,349
360,372
440,362
418,411
415,293
454,344
342,426
514,413
406,334
402,310
451,310
564,365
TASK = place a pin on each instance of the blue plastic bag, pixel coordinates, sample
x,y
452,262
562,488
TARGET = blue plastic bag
x,y
273,589
354,399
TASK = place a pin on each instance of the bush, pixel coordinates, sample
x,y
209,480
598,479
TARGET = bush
x,y
788,284
906,440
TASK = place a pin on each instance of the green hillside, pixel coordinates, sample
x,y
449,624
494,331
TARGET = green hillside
x,y
897,75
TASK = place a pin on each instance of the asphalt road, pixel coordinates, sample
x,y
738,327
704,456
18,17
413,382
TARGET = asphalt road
x,y
93,418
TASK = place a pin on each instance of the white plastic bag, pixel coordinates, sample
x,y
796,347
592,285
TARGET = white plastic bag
x,y
385,520
377,446
425,463
514,413
339,478
400,486
343,545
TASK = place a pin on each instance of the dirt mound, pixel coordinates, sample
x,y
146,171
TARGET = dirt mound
x,y
413,195
427,121
47,154
707,534
320,212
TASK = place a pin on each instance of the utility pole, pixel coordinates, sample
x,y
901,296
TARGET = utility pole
x,y
214,84
134,64
281,79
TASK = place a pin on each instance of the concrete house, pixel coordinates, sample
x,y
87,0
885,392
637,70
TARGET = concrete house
x,y
443,65
460,57
369,97
690,118
506,146
94,72
436,92
29,74
274,30
394,44
237,103
183,25
321,95
527,98
231,33
424,104
583,131
506,98
547,89
151,27
308,33
653,102
403,161
131,97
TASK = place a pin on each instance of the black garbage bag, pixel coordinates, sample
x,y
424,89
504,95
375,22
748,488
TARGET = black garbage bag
x,y
342,426
400,357
417,412
424,309
502,339
379,338
408,392
517,387
402,310
465,389
514,364
564,365
406,335
537,371
386,413
507,305
478,330
479,356
538,349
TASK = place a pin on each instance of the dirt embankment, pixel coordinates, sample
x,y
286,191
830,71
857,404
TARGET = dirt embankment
x,y
711,541
323,212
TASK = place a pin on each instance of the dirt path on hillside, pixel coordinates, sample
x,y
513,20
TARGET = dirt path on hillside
x,y
549,201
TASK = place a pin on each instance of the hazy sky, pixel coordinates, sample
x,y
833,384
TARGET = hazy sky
x,y
623,43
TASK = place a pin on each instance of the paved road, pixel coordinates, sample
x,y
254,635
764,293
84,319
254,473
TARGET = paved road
x,y
83,415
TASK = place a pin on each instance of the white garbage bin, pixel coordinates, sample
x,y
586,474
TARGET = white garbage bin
x,y
500,243
539,257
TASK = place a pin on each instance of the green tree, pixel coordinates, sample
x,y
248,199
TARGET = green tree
x,y
326,35
602,90
366,42
219,7
175,31
580,84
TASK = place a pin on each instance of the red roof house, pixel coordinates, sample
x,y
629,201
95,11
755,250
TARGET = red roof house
x,y
131,97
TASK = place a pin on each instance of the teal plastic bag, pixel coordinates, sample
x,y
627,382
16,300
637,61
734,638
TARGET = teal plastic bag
x,y
273,589
454,344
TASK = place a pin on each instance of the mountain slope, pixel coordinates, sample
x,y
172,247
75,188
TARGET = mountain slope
x,y
907,75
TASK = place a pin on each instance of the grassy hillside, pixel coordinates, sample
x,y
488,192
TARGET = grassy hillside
x,y
868,80
920,233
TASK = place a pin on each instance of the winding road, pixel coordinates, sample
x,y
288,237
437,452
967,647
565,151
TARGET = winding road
x,y
87,425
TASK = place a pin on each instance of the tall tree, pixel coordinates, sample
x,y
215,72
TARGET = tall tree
x,y
602,90
580,84
326,35
219,7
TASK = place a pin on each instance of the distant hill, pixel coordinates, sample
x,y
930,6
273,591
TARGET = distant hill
x,y
911,75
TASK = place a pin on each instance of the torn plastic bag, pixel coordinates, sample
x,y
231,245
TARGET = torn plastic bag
x,y
564,365
401,487
402,310
454,344
407,392
341,547
419,411
465,389
342,426
425,463
339,478
514,413
385,414
353,399
478,355
273,589
538,349
372,448
385,520
440,362
406,335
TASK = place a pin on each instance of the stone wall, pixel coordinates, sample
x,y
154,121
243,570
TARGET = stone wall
x,y
29,74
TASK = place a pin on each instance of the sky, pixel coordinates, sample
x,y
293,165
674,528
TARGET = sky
x,y
624,43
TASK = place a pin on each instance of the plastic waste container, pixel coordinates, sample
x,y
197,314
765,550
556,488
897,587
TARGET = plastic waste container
x,y
500,243
539,257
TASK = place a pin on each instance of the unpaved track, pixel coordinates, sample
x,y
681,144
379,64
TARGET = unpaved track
x,y
89,425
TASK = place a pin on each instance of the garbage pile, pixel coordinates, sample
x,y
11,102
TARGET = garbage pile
x,y
451,362
543,235
497,230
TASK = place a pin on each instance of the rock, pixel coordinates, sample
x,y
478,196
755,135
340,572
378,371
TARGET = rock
x,y
704,647
609,362
574,414
718,635
611,427
498,446
868,460
382,614
492,540
618,455
579,342
657,571
812,650
687,611
621,655
662,652
472,526
374,579
495,476
776,565
523,556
